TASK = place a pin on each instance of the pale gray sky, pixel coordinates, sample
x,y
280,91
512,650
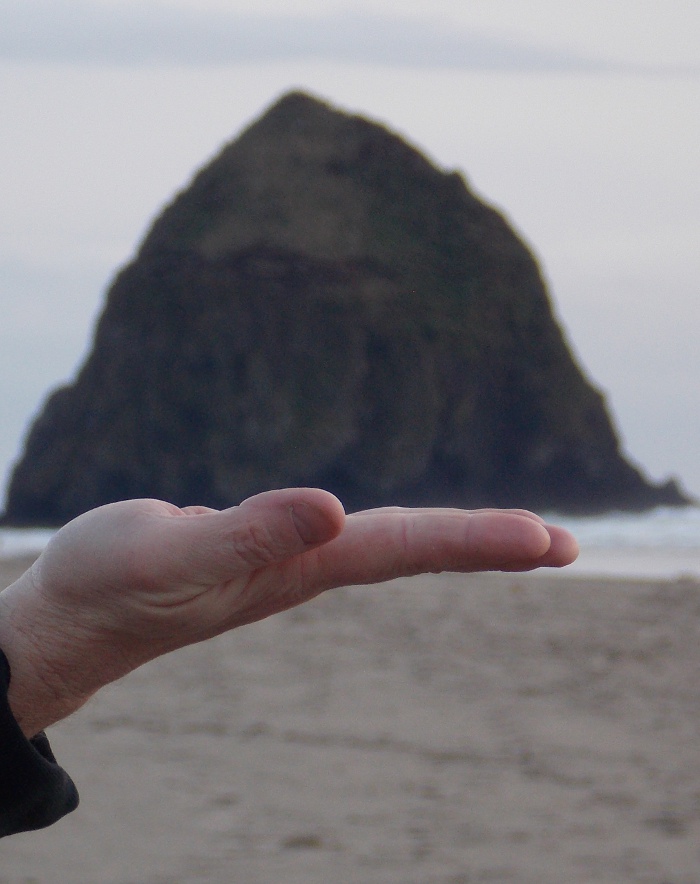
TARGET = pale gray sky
x,y
581,120
480,36
632,31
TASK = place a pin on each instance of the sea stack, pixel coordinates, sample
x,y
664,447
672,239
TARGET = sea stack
x,y
324,306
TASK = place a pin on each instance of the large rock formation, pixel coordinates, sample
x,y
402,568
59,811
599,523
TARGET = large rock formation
x,y
324,306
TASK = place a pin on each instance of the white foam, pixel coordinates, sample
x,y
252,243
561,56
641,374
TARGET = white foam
x,y
662,544
23,541
656,529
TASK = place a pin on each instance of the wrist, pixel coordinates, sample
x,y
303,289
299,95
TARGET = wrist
x,y
48,657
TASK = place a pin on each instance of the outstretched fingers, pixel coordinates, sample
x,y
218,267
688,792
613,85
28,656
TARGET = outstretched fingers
x,y
563,550
383,544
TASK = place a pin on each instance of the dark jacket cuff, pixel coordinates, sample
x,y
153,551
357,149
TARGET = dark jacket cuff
x,y
34,791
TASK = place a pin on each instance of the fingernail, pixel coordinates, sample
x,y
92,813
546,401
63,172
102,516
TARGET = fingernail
x,y
313,525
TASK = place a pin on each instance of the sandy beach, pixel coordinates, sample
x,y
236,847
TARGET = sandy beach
x,y
492,728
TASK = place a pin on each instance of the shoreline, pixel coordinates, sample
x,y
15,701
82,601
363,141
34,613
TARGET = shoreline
x,y
629,564
663,544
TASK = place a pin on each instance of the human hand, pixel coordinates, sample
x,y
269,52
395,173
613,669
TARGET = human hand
x,y
130,581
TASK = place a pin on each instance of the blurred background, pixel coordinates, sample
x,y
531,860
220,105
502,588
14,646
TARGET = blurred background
x,y
581,121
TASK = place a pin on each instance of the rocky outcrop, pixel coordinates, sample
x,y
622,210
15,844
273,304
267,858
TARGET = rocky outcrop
x,y
324,306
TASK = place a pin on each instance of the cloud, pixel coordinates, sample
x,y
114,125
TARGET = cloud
x,y
128,34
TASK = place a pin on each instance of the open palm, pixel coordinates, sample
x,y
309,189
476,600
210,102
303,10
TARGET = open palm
x,y
127,582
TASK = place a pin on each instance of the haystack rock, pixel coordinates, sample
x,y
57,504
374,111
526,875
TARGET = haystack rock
x,y
323,306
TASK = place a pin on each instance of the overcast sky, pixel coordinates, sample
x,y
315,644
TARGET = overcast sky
x,y
495,33
581,120
418,35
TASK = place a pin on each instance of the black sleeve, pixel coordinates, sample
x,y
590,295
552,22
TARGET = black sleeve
x,y
34,791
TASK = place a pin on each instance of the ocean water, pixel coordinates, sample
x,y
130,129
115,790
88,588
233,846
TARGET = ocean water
x,y
661,544
23,541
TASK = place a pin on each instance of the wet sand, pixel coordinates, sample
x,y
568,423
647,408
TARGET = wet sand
x,y
529,729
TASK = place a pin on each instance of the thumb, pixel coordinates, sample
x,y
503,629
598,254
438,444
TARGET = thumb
x,y
265,529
